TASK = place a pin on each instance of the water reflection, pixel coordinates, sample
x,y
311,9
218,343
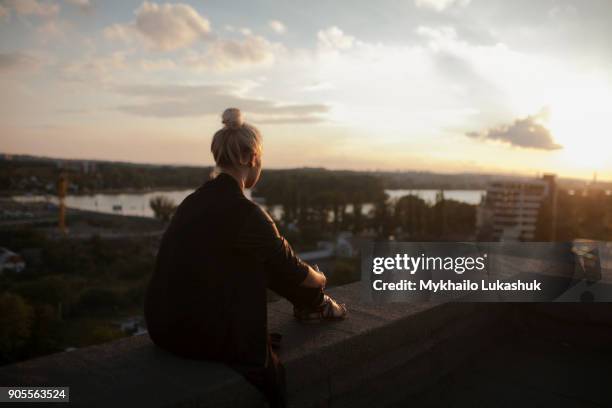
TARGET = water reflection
x,y
137,204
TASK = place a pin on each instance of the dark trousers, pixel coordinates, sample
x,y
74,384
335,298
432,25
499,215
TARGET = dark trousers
x,y
270,380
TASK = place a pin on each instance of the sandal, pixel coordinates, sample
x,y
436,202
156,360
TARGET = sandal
x,y
329,309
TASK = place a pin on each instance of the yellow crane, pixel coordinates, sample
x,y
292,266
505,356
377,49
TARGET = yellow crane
x,y
62,188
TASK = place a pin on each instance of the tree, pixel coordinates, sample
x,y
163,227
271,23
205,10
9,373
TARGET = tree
x,y
16,320
412,214
97,302
163,207
382,219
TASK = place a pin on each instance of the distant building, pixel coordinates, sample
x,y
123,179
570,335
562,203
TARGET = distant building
x,y
342,247
88,166
510,209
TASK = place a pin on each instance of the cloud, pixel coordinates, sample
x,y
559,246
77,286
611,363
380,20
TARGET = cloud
x,y
95,68
318,86
334,38
440,5
193,101
164,27
170,26
32,7
226,55
291,120
526,132
156,64
120,32
17,62
4,13
83,5
52,29
277,26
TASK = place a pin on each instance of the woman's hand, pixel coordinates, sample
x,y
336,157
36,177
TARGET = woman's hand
x,y
314,279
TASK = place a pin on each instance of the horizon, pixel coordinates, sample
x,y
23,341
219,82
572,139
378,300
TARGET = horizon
x,y
203,166
441,86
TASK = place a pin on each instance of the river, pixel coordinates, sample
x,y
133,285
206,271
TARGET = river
x,y
138,203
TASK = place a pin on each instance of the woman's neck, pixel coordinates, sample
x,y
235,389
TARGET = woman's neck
x,y
236,174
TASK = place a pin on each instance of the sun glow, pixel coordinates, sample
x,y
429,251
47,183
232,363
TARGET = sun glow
x,y
580,119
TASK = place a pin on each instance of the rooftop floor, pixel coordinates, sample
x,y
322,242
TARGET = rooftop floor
x,y
525,371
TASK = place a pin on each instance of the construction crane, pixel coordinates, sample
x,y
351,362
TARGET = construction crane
x,y
62,188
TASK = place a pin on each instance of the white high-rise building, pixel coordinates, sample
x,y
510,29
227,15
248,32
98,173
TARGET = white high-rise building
x,y
510,209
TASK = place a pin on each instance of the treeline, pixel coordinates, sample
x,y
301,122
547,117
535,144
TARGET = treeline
x,y
70,292
43,175
445,220
581,215
317,204
32,174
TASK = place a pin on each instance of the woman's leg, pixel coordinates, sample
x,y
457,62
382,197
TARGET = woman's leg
x,y
270,380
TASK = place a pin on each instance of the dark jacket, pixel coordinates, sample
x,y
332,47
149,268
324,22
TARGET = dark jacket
x,y
207,296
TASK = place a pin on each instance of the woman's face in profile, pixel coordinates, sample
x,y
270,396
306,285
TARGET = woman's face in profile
x,y
254,173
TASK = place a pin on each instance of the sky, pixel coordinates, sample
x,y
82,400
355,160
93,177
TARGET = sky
x,y
520,87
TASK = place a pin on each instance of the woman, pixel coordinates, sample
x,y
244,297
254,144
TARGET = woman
x,y
207,296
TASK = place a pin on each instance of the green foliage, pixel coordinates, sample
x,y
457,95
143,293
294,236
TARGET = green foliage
x,y
97,302
162,207
95,258
316,201
48,290
45,331
18,239
86,331
444,220
578,216
36,174
103,334
136,294
68,298
16,321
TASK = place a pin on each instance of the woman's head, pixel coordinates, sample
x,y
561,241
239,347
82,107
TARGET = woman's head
x,y
237,147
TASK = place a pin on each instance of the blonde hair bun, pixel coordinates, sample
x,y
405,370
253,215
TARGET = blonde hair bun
x,y
232,118
233,144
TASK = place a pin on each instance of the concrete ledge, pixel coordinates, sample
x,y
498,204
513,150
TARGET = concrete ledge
x,y
377,357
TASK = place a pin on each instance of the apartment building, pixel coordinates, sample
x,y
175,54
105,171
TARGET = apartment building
x,y
510,209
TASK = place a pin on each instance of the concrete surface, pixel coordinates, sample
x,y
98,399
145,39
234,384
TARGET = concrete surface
x,y
380,353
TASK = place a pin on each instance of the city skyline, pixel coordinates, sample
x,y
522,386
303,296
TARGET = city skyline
x,y
432,85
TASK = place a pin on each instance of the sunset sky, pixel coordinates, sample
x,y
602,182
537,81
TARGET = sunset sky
x,y
441,85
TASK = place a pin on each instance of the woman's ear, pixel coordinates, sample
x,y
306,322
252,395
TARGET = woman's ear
x,y
246,160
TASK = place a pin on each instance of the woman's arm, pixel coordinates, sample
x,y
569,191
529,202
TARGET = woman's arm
x,y
314,279
260,238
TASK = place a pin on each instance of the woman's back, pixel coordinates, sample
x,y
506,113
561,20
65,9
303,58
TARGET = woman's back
x,y
207,297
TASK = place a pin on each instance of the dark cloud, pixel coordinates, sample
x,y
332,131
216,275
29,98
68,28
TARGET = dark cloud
x,y
17,61
526,133
185,101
